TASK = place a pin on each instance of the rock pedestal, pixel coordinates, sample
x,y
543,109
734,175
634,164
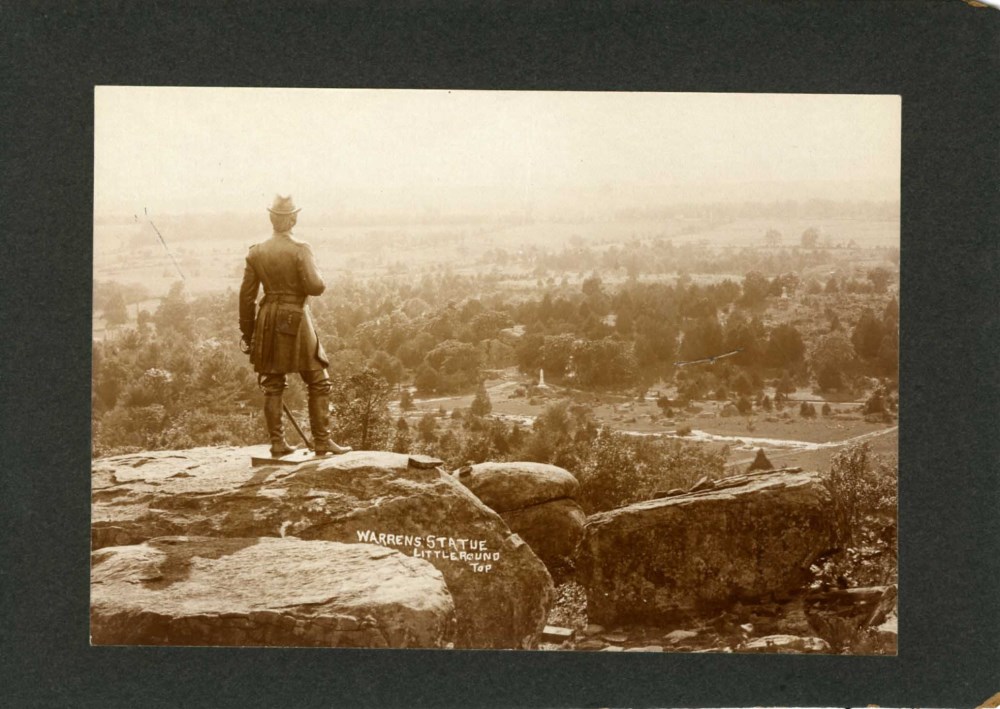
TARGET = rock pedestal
x,y
267,591
745,537
501,591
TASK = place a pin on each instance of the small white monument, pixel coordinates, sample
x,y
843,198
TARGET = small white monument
x,y
541,379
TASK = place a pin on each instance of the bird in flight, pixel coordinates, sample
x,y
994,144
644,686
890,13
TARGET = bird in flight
x,y
710,360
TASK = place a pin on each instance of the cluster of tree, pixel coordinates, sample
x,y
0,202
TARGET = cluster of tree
x,y
612,340
871,348
443,331
111,300
152,392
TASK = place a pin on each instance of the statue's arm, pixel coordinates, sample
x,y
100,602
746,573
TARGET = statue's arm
x,y
248,299
312,280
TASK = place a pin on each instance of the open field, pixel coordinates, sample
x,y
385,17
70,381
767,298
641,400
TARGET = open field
x,y
884,443
794,441
627,414
864,233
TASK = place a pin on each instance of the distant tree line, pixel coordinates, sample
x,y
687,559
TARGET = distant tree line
x,y
659,255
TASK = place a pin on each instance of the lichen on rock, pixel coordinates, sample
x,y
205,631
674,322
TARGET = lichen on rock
x,y
267,591
745,537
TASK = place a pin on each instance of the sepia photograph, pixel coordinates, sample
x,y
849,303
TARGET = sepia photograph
x,y
523,370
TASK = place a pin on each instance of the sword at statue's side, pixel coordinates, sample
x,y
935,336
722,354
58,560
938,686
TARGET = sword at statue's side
x,y
295,423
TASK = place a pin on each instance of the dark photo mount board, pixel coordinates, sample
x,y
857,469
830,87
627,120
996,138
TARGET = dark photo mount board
x,y
941,57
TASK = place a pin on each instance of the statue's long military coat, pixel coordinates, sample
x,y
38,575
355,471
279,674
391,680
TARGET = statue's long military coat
x,y
281,331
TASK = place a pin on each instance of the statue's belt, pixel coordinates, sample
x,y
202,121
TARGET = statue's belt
x,y
293,298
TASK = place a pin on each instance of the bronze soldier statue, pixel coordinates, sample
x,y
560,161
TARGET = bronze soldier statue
x,y
280,336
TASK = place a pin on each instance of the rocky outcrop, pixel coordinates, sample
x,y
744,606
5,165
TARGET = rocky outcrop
x,y
501,591
536,501
862,620
854,621
745,537
267,591
552,529
885,619
512,486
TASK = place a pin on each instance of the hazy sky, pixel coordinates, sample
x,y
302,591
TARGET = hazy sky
x,y
207,149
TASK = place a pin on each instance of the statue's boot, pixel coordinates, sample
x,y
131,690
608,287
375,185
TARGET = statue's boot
x,y
275,429
319,424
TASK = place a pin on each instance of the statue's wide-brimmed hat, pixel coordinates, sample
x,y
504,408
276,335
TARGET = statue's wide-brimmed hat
x,y
283,205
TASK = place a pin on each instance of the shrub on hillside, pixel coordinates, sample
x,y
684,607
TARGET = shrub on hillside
x,y
829,378
742,385
760,462
784,385
481,404
864,494
863,487
361,410
402,441
622,469
427,428
876,401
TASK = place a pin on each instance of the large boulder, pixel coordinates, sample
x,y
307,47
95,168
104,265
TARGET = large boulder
x,y
502,592
536,501
511,486
740,538
552,529
266,591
